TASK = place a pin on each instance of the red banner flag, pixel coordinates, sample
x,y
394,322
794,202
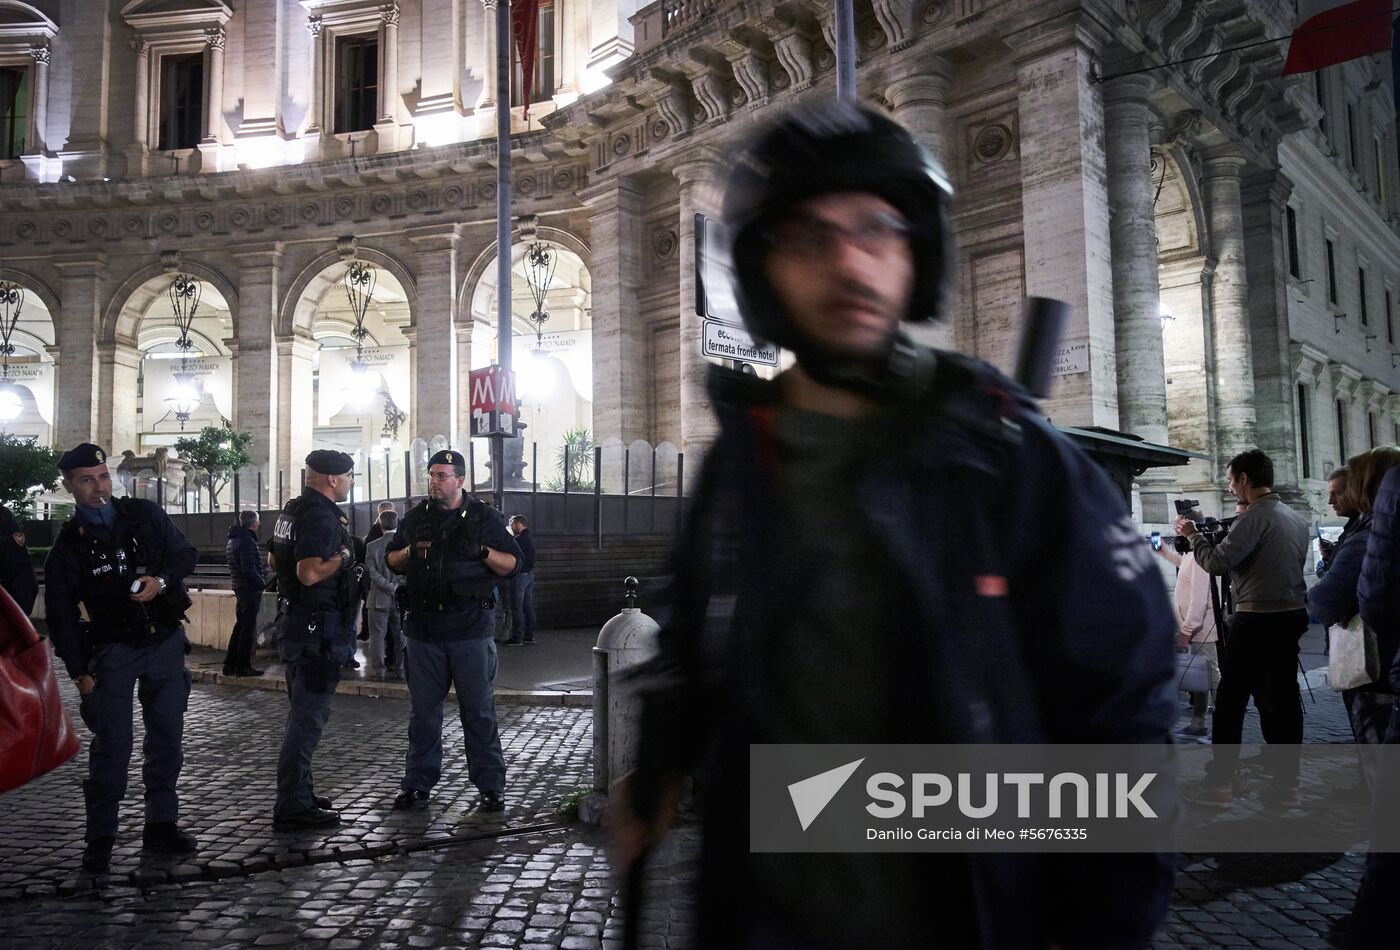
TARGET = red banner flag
x,y
525,27
1334,31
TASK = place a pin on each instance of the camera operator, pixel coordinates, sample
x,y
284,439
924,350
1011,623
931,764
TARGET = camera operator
x,y
1263,550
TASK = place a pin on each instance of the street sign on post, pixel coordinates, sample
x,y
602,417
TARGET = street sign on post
x,y
724,334
493,402
734,343
714,274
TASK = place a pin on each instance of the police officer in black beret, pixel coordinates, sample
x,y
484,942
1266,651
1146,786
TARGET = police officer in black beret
x,y
454,548
125,561
317,575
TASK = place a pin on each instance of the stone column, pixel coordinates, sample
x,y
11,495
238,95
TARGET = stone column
x,y
137,152
569,81
388,124
435,366
1234,357
1264,196
461,392
209,146
39,101
118,375
1142,386
619,332
75,389
255,367
699,179
488,89
1064,207
140,127
296,407
315,111
920,103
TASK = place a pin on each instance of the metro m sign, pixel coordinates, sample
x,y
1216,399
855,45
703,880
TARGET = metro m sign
x,y
493,404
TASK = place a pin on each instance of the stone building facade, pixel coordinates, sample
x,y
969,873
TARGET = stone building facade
x,y
1229,240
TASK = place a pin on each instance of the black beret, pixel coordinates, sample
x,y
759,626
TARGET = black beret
x,y
450,457
329,462
86,455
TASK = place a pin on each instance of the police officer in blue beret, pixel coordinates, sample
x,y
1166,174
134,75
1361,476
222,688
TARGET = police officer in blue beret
x,y
317,575
125,562
453,547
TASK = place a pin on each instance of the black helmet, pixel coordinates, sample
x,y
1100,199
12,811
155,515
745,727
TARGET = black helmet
x,y
822,147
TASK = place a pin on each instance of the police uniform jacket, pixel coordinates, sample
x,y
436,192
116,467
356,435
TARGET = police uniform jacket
x,y
97,566
962,495
312,526
449,587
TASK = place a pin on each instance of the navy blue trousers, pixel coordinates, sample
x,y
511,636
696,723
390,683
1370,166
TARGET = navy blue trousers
x,y
433,667
163,687
313,671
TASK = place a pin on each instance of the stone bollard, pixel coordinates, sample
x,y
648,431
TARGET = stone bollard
x,y
625,641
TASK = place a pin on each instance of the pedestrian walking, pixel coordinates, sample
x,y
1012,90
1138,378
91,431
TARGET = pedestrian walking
x,y
864,563
522,585
16,566
125,562
316,574
249,571
453,548
382,602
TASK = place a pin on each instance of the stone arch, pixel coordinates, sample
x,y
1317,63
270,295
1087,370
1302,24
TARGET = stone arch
x,y
561,380
555,236
1178,205
30,282
298,307
124,311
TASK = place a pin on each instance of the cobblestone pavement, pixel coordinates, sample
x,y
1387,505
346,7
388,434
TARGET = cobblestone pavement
x,y
449,877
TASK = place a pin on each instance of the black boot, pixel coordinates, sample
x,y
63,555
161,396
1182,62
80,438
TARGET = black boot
x,y
97,855
164,837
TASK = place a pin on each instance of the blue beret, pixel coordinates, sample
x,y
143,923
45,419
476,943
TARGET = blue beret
x,y
86,455
329,462
450,457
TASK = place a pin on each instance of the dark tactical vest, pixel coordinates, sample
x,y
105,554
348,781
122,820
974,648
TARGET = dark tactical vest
x,y
340,593
444,571
106,571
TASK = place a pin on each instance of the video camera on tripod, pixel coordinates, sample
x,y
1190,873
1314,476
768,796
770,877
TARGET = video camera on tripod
x,y
1213,529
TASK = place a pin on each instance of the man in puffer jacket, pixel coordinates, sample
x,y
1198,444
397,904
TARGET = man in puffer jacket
x,y
1378,598
249,573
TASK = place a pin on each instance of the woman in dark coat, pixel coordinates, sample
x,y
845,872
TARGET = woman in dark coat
x,y
16,567
1378,596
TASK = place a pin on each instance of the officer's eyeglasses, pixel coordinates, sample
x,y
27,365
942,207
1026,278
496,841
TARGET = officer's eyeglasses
x,y
443,476
808,238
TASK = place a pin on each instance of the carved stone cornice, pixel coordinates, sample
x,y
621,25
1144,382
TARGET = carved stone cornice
x,y
410,188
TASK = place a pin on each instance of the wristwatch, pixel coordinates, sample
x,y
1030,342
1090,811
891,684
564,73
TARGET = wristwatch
x,y
484,553
163,585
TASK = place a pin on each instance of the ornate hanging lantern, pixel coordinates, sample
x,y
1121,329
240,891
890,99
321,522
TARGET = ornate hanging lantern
x,y
11,304
184,294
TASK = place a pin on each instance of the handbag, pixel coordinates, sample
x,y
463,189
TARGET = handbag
x,y
1192,677
36,735
1353,656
